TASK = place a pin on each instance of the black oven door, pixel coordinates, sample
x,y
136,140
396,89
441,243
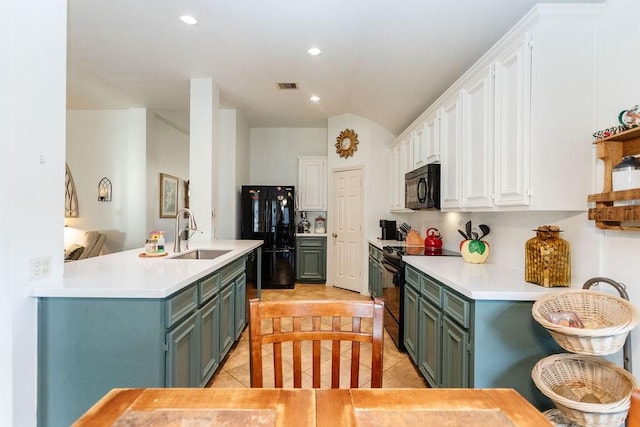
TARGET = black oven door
x,y
393,294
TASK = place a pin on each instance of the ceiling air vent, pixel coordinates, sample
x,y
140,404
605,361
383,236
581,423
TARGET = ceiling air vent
x,y
286,86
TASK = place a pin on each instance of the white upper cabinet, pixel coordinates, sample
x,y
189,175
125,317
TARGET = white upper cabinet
x,y
312,183
505,132
511,139
396,185
431,137
401,155
495,121
477,139
418,148
406,153
450,146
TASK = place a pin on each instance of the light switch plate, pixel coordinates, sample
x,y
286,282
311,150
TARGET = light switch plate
x,y
39,267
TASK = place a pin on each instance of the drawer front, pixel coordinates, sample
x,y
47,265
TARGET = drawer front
x,y
378,254
313,242
232,270
209,287
412,277
431,290
372,250
180,305
457,308
375,252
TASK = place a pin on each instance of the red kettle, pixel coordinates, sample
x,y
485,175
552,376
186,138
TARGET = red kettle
x,y
433,239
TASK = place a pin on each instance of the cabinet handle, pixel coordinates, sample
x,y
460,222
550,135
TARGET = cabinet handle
x,y
334,235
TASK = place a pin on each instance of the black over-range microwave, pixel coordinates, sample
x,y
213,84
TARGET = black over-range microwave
x,y
422,188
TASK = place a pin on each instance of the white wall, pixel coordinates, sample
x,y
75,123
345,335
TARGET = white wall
x,y
167,152
33,48
509,233
6,172
233,171
243,163
97,145
275,151
204,110
372,156
131,148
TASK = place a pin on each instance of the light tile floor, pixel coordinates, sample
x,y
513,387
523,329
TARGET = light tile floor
x,y
398,370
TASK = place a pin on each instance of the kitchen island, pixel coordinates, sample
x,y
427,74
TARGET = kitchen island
x,y
122,320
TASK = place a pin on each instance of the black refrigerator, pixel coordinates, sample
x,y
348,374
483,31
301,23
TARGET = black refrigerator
x,y
268,214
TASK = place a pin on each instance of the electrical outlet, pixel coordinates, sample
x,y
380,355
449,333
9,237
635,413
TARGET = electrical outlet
x,y
39,267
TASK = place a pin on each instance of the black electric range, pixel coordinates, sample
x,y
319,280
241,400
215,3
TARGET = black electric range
x,y
393,285
394,254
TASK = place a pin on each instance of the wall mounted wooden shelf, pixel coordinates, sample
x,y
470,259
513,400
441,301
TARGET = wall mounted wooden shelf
x,y
611,150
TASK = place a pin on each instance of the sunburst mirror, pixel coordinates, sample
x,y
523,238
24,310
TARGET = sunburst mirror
x,y
347,143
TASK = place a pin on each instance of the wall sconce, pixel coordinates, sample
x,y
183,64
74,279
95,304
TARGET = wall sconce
x,y
104,190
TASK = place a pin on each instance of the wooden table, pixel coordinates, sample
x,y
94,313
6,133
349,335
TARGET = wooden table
x,y
308,407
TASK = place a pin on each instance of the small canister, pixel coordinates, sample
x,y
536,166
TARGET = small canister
x,y
320,225
626,176
151,247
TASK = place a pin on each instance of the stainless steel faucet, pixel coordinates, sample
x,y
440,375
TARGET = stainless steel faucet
x,y
192,226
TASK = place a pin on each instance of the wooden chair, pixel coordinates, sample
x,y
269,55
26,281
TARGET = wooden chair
x,y
263,313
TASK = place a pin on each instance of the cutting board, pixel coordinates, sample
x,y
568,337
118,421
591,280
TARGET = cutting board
x,y
414,238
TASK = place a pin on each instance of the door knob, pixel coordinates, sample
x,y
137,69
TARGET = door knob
x,y
334,235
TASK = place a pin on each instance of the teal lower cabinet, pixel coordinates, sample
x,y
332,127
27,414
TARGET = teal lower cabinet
x,y
227,319
311,259
183,344
458,342
240,295
88,346
209,318
411,330
456,348
375,271
430,326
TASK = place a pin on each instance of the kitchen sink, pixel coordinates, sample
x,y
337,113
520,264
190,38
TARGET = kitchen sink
x,y
201,254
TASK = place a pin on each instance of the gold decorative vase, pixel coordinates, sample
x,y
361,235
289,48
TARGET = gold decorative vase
x,y
548,258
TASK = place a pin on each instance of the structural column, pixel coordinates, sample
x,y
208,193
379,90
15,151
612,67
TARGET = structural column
x,y
203,140
33,40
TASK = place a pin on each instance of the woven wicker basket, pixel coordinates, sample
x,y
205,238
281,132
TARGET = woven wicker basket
x,y
557,418
572,381
607,320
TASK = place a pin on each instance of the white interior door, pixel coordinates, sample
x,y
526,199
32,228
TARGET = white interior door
x,y
347,229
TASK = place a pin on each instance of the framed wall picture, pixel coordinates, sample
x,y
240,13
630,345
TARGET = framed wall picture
x,y
168,196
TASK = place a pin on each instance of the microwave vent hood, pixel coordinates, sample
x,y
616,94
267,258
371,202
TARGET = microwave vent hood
x,y
422,188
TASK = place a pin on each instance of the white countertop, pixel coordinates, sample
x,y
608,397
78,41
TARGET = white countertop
x,y
379,243
479,281
126,275
476,281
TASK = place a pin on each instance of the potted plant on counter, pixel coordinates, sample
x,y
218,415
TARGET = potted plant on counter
x,y
473,249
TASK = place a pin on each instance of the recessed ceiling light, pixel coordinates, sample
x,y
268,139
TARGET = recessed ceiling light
x,y
314,51
187,19
315,98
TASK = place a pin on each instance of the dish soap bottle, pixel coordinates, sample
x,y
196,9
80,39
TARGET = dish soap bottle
x,y
160,249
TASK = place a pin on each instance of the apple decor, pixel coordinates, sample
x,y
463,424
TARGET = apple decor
x,y
473,249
